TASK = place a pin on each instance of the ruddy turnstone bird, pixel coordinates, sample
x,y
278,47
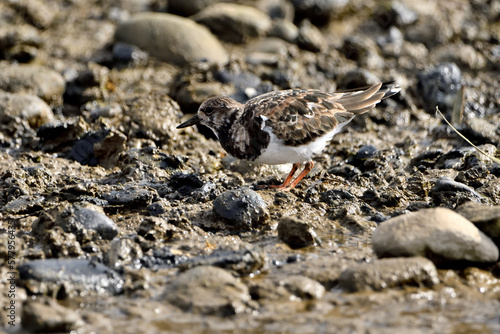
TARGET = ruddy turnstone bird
x,y
287,126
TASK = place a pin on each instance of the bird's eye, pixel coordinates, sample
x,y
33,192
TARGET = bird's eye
x,y
209,110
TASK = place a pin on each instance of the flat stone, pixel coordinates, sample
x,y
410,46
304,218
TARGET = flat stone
x,y
234,23
208,290
389,273
27,107
171,38
440,234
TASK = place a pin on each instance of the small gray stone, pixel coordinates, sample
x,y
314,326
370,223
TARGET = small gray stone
x,y
94,220
303,287
47,316
234,23
69,278
28,107
296,233
438,86
310,38
439,234
242,207
285,30
131,196
389,273
33,79
208,290
171,38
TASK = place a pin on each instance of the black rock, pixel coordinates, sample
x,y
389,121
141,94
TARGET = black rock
x,y
96,221
185,184
242,207
438,86
452,193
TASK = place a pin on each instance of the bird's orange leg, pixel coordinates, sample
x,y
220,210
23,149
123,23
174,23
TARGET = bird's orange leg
x,y
287,187
288,179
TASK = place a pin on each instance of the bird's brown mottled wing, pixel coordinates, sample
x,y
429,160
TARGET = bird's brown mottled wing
x,y
300,116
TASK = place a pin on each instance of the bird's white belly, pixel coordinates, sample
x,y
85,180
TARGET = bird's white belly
x,y
279,153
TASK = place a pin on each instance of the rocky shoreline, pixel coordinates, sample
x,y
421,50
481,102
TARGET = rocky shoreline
x,y
114,220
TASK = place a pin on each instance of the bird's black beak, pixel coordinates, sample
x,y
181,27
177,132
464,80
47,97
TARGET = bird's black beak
x,y
192,121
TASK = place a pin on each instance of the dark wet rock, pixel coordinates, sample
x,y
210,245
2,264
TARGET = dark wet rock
x,y
362,155
185,184
389,273
80,217
188,7
163,257
69,278
318,12
36,12
485,218
241,207
86,85
346,171
171,38
243,262
454,159
336,197
54,136
131,195
48,316
296,233
234,23
208,290
440,234
26,107
392,43
157,229
363,50
427,159
122,251
127,53
395,14
452,193
100,147
285,30
24,204
33,79
310,38
283,289
438,86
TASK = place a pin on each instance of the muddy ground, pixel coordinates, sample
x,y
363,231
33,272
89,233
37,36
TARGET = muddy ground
x,y
113,220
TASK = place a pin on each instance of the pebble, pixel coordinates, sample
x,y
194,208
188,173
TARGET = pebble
x,y
24,204
438,86
185,184
171,38
57,134
78,277
485,218
37,12
208,290
288,288
241,207
395,14
439,234
19,42
285,30
363,50
389,273
122,251
157,229
45,315
33,79
310,38
296,233
449,192
26,107
234,23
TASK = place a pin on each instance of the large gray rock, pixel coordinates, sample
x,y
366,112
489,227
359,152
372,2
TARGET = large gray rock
x,y
171,38
440,234
234,23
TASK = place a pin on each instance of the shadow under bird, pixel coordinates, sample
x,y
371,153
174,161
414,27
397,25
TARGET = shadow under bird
x,y
287,126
